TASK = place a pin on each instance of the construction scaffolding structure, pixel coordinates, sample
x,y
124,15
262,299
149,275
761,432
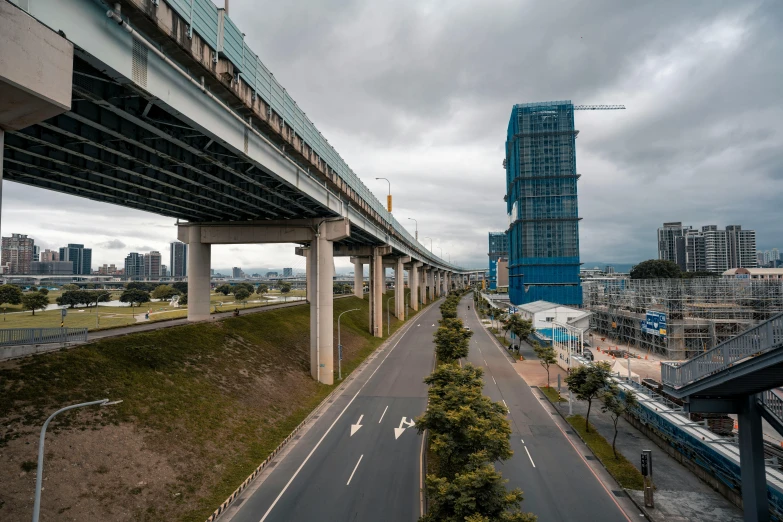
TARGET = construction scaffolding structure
x,y
697,314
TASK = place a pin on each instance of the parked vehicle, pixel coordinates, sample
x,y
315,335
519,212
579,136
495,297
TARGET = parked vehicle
x,y
588,354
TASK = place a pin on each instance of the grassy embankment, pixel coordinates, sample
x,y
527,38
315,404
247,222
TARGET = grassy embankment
x,y
203,404
116,316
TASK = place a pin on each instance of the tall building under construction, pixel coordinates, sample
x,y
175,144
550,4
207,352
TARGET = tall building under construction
x,y
541,199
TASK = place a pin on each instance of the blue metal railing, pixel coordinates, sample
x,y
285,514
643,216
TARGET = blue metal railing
x,y
760,339
19,336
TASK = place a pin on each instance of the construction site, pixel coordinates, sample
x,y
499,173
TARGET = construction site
x,y
678,318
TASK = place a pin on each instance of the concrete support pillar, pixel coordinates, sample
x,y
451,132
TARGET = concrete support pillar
x,y
752,471
413,280
379,284
199,260
309,277
399,290
358,279
423,289
2,148
321,273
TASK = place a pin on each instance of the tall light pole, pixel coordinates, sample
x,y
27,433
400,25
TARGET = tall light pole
x,y
441,252
39,473
427,237
388,198
340,346
417,228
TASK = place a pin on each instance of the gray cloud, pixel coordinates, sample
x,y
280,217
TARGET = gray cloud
x,y
113,244
421,93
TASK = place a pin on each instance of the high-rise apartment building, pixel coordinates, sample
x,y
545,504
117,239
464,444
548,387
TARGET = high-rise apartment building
x,y
152,263
541,202
715,249
498,248
741,247
107,269
710,249
47,256
80,257
288,272
36,253
17,253
134,265
178,259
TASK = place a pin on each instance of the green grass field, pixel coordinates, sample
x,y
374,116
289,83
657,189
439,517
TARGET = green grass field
x,y
212,400
114,316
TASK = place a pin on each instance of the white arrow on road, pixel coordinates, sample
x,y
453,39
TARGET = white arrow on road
x,y
355,427
398,431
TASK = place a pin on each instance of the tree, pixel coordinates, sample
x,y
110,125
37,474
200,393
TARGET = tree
x,y
223,289
656,269
43,290
588,383
164,292
546,356
135,297
477,494
180,286
183,299
69,287
34,301
33,289
73,298
285,287
452,344
262,289
617,407
139,285
520,327
247,286
10,294
241,294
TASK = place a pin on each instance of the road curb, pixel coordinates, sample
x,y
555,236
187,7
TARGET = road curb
x,y
641,508
317,410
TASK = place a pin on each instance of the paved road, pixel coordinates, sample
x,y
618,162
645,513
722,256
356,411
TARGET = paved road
x,y
557,483
371,475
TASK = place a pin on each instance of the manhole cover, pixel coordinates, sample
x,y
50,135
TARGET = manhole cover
x,y
589,457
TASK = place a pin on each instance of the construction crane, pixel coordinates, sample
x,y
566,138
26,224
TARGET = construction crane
x,y
598,107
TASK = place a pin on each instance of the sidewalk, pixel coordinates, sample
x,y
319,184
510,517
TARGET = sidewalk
x,y
679,496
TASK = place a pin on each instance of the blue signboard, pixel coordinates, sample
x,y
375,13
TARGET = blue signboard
x,y
654,324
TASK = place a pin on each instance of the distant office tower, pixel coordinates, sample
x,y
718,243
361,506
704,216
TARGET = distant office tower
x,y
775,254
271,274
741,246
288,272
36,253
49,256
715,249
134,265
671,243
17,253
609,270
164,271
498,247
760,258
80,257
107,269
152,264
236,273
541,201
178,262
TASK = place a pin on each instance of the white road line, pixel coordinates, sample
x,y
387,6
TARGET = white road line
x,y
504,403
382,414
357,466
485,361
523,440
528,456
493,380
277,499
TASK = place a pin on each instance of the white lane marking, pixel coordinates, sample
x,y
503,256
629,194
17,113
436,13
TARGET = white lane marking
x,y
277,499
382,414
528,456
523,440
355,427
485,361
504,403
493,380
357,466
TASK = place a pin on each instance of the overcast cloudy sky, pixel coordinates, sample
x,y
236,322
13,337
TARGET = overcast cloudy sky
x,y
421,91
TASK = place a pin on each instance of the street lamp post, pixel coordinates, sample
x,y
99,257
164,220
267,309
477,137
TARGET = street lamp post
x,y
417,228
97,314
39,473
441,252
340,346
388,314
427,237
388,198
